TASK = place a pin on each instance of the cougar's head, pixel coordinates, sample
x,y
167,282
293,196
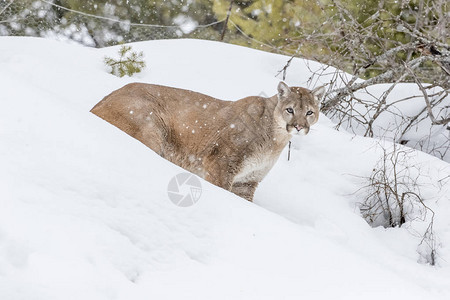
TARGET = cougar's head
x,y
297,108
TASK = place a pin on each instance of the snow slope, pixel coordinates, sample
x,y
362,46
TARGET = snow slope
x,y
84,211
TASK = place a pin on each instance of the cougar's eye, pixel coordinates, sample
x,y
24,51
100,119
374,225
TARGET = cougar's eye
x,y
309,113
290,110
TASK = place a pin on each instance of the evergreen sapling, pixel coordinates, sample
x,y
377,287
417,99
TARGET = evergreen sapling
x,y
129,63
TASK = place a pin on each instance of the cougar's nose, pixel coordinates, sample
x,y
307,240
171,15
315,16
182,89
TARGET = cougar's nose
x,y
298,127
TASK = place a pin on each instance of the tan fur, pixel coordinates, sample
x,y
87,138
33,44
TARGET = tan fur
x,y
231,144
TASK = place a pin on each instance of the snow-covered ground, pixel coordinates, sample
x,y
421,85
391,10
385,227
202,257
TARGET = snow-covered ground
x,y
84,210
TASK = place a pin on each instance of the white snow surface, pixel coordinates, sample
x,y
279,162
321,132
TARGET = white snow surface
x,y
84,210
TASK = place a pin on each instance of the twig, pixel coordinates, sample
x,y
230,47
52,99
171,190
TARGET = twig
x,y
434,121
226,20
6,6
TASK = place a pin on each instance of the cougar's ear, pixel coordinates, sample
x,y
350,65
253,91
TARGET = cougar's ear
x,y
283,90
318,93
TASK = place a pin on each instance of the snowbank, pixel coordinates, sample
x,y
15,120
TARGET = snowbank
x,y
85,213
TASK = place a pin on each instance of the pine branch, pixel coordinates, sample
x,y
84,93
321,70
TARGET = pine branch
x,y
129,63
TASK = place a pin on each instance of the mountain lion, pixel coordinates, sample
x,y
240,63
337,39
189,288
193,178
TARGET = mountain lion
x,y
232,144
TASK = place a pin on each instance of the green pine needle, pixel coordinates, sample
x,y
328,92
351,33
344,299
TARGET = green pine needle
x,y
129,63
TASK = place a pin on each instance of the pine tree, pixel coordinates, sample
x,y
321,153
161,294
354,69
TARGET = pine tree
x,y
129,63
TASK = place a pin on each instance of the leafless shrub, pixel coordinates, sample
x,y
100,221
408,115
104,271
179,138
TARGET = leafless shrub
x,y
392,190
392,197
427,248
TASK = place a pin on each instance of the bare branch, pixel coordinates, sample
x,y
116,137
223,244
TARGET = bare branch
x,y
429,109
6,6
